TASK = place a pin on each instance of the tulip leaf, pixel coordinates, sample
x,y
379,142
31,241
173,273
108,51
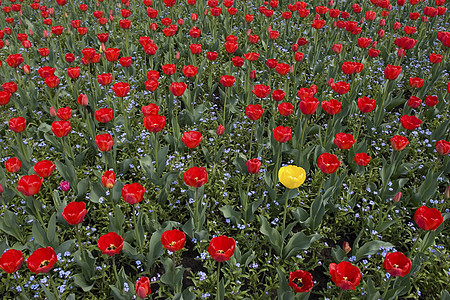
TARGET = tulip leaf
x,y
39,234
8,224
117,294
82,188
221,290
81,282
371,248
283,287
47,293
299,241
272,234
51,232
97,191
229,213
155,247
338,254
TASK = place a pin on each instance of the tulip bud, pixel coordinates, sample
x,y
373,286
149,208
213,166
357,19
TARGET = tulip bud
x,y
64,185
382,22
381,33
249,32
26,69
346,247
52,112
7,42
45,33
111,18
253,74
447,193
102,48
66,15
206,12
177,55
220,130
374,44
194,17
1,188
397,197
330,81
291,70
330,3
30,31
180,21
83,100
295,47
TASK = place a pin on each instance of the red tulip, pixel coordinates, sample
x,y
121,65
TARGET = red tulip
x,y
195,177
410,122
366,105
337,48
399,142
345,275
392,72
397,264
220,130
177,88
308,106
238,61
442,147
271,63
151,109
364,42
46,71
328,163
221,248
340,87
362,159
110,243
61,128
431,101
109,179
261,91
282,69
301,281
13,165
142,287
211,55
282,134
285,109
191,138
227,80
44,168
74,212
10,87
435,58
17,124
121,89
278,95
344,141
332,107
64,113
169,69
416,82
104,115
173,240
104,79
11,261
196,48
253,165
104,142
428,218
112,54
133,193
125,61
42,260
29,185
254,112
52,81
414,102
373,52
154,123
73,72
14,60
4,97
190,71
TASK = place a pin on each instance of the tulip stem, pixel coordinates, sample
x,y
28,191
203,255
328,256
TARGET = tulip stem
x,y
53,285
251,141
80,245
284,219
277,166
225,106
381,107
197,210
386,289
138,238
156,151
218,281
115,269
38,213
340,294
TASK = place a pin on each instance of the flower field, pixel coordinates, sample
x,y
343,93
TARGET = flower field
x,y
185,149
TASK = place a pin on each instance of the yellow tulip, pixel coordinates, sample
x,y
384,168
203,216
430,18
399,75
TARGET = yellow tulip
x,y
291,176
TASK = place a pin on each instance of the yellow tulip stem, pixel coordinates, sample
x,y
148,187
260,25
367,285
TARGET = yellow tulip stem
x,y
285,211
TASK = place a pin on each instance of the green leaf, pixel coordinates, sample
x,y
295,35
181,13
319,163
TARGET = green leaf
x,y
39,234
221,291
299,241
51,232
272,234
371,248
338,254
229,213
81,282
47,293
155,248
